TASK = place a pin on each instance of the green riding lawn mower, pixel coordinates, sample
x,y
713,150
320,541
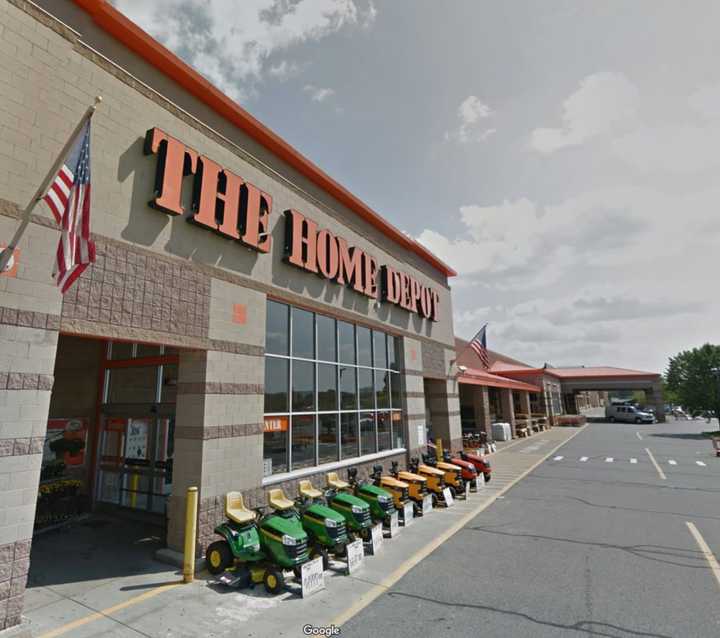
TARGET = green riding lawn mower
x,y
356,511
379,499
257,548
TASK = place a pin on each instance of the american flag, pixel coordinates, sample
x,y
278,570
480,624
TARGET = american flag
x,y
479,345
69,200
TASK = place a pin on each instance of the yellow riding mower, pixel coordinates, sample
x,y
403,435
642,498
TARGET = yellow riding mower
x,y
417,486
452,474
435,480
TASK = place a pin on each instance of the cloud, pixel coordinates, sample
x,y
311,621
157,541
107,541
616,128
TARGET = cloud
x,y
602,103
283,70
230,42
471,113
318,94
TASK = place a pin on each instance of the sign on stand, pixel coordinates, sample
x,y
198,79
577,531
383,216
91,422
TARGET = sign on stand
x,y
467,489
313,577
480,481
355,555
448,497
376,539
427,504
394,524
408,513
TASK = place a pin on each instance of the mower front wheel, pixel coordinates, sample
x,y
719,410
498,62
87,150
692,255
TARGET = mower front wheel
x,y
487,477
366,533
218,557
321,551
274,581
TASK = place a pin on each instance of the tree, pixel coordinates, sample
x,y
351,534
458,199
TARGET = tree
x,y
691,378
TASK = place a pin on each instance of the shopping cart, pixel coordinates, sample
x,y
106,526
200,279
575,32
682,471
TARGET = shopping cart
x,y
716,445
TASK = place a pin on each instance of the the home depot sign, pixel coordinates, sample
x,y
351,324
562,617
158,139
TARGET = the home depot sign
x,y
229,205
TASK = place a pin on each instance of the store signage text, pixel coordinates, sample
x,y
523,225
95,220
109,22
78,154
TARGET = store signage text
x,y
221,201
319,251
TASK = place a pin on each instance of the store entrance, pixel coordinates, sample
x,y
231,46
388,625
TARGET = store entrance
x,y
135,455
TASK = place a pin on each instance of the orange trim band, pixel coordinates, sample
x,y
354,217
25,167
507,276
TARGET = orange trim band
x,y
134,38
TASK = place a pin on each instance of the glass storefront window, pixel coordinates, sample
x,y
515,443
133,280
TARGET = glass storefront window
x,y
121,350
327,438
384,431
303,441
382,391
367,433
147,350
277,383
380,349
277,328
327,387
303,333
348,388
364,347
168,390
367,400
326,338
133,385
303,386
348,435
330,390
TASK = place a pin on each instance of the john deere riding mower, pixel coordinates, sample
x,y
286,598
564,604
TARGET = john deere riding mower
x,y
325,527
453,474
379,499
417,486
435,480
356,511
256,548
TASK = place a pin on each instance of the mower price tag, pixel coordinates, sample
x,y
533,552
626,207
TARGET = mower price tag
x,y
448,497
408,514
480,481
355,555
427,504
313,577
467,489
394,524
376,538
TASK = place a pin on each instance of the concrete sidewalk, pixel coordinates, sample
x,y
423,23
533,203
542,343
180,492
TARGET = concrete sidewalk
x,y
153,605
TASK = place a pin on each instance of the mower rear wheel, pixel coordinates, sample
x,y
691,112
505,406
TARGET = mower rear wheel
x,y
366,532
218,557
274,581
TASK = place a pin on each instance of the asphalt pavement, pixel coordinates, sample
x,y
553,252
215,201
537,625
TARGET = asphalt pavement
x,y
612,535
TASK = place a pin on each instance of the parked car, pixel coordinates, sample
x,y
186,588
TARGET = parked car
x,y
628,414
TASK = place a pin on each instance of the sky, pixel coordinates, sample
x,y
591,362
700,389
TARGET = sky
x,y
562,156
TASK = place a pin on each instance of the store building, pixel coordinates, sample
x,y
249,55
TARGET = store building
x,y
286,331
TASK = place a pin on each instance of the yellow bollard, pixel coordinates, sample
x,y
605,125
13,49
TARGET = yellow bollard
x,y
438,449
190,534
134,481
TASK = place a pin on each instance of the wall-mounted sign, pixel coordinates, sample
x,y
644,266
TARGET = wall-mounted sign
x,y
320,252
232,207
275,424
221,201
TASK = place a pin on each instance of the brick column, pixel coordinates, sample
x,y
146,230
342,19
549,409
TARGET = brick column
x,y
413,397
29,323
444,403
525,403
481,407
507,408
218,431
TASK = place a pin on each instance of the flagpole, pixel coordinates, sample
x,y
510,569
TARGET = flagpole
x,y
467,345
40,193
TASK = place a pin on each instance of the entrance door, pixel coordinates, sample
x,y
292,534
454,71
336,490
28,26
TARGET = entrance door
x,y
135,457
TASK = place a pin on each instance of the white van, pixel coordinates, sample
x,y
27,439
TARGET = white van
x,y
627,414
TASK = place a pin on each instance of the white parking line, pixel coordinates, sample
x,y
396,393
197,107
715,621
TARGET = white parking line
x,y
700,463
583,459
609,459
633,460
655,463
638,435
558,458
707,553
672,461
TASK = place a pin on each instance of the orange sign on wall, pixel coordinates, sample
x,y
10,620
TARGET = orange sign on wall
x,y
276,424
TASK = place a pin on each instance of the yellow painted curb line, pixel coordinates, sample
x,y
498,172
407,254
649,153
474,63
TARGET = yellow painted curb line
x,y
705,549
405,567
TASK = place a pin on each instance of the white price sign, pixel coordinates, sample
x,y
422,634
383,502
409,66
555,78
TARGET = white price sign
x,y
408,513
448,497
355,555
421,435
467,489
480,481
394,524
376,538
427,504
313,577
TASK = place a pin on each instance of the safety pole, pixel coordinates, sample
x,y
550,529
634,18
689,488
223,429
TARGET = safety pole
x,y
439,449
190,534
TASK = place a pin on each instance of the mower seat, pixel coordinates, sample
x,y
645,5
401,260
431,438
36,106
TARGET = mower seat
x,y
235,509
278,500
333,480
429,469
448,467
409,476
391,481
306,488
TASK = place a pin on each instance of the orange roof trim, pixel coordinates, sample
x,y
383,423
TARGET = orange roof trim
x,y
481,377
134,38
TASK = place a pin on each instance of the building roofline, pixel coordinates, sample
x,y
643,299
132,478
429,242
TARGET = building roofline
x,y
113,22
